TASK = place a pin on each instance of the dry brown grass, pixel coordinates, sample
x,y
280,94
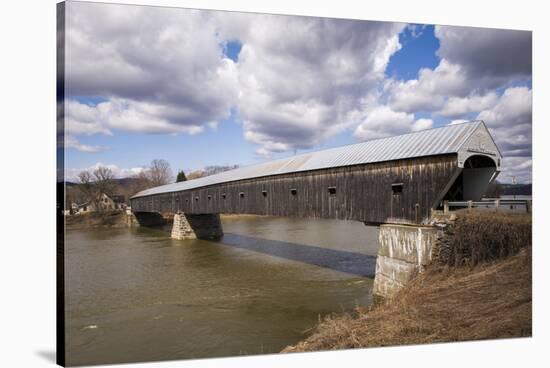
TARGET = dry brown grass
x,y
440,305
478,236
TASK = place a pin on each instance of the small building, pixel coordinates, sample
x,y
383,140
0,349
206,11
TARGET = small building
x,y
105,203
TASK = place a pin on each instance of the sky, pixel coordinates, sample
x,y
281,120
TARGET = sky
x,y
200,88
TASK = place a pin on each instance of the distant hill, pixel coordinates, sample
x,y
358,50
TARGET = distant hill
x,y
515,189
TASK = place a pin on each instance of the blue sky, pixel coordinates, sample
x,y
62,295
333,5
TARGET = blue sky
x,y
418,51
225,93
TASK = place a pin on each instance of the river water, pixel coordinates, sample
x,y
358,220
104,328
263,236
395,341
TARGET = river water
x,y
134,294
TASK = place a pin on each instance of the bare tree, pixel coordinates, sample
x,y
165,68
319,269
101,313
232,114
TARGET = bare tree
x,y
160,172
216,169
86,185
195,174
94,185
139,182
210,170
104,180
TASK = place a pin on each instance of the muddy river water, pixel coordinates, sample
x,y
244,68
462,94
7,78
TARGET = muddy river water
x,y
135,294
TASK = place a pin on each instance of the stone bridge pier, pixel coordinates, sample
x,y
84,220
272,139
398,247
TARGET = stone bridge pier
x,y
184,226
201,226
403,252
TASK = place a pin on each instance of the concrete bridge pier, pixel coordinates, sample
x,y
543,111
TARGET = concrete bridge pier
x,y
403,251
201,226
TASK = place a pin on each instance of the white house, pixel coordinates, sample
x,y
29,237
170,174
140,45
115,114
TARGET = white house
x,y
105,203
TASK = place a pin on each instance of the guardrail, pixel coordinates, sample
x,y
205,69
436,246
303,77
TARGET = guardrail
x,y
496,204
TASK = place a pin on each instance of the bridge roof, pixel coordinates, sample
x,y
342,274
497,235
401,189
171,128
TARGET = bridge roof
x,y
436,141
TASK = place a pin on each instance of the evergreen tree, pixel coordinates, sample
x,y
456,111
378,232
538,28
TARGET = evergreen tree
x,y
181,176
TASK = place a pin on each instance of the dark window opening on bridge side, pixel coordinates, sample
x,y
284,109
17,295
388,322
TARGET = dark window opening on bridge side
x,y
293,191
241,194
209,197
196,198
397,188
224,196
332,191
187,200
264,193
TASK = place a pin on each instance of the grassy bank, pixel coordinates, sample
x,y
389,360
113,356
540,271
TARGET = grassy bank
x,y
478,287
108,219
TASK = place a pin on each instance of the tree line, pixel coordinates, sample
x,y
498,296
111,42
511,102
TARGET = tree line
x,y
92,184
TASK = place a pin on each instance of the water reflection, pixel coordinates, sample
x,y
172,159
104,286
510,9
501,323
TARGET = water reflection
x,y
338,260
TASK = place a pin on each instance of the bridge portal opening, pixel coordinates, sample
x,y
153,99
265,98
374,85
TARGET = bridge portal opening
x,y
472,182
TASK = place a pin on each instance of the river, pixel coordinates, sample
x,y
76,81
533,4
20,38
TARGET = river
x,y
135,294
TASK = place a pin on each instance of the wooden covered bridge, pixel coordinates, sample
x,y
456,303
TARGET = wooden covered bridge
x,y
393,182
398,179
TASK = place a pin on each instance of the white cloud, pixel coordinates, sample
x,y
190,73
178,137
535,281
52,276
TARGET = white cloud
x,y
83,119
461,106
382,121
160,69
299,80
520,167
473,62
303,79
429,91
510,121
72,142
513,108
71,174
422,124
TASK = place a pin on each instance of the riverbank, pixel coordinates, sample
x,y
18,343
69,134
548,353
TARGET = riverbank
x,y
464,295
107,219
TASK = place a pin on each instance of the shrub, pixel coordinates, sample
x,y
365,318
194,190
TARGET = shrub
x,y
478,236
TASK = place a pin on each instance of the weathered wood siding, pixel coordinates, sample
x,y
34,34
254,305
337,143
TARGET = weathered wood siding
x,y
363,193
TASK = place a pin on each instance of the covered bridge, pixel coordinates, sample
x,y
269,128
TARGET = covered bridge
x,y
390,180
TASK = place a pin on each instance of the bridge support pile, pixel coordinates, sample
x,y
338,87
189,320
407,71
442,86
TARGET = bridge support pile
x,y
203,226
403,251
181,228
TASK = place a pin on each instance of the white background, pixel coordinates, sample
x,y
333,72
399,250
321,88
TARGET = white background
x,y
27,205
